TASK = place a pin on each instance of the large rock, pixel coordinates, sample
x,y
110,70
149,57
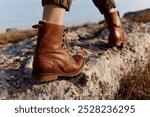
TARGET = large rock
x,y
109,73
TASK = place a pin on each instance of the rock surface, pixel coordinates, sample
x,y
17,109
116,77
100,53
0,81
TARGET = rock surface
x,y
109,73
138,16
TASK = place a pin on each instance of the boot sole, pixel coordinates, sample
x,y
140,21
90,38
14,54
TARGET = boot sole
x,y
119,44
52,77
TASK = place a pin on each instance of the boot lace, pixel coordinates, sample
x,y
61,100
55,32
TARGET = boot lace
x,y
66,42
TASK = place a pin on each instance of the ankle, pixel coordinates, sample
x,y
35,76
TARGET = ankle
x,y
112,10
53,14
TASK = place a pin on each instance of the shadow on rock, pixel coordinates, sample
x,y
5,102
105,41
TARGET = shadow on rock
x,y
79,80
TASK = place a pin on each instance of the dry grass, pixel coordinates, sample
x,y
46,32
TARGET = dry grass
x,y
136,87
16,36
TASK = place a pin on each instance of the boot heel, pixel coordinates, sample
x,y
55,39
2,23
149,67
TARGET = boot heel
x,y
44,78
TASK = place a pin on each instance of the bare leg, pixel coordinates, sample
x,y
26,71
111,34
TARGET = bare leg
x,y
54,14
112,10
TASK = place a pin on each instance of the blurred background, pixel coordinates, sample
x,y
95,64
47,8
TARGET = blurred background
x,y
22,14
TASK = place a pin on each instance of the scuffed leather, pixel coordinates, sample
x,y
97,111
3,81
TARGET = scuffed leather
x,y
50,57
117,34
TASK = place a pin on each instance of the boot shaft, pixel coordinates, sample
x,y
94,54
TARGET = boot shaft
x,y
117,35
49,36
113,19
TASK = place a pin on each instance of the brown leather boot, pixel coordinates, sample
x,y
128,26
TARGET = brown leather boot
x,y
50,59
117,35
